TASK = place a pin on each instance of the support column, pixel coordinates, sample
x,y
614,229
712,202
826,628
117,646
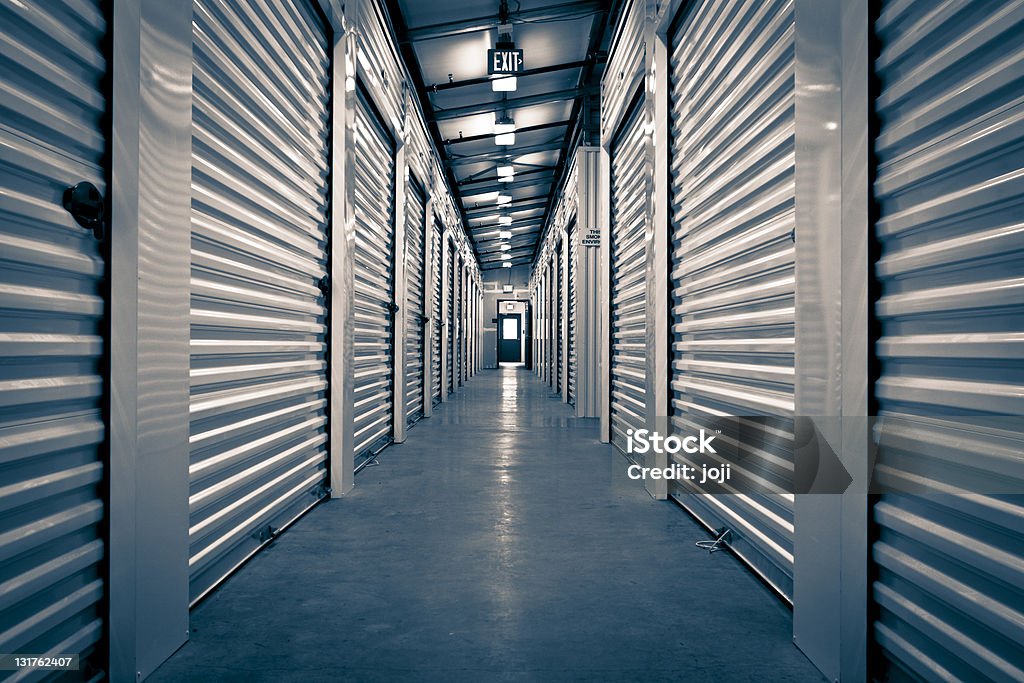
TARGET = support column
x,y
399,317
342,245
149,341
830,605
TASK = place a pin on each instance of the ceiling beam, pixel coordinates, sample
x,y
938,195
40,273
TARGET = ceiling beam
x,y
485,176
503,154
525,129
514,185
477,212
491,21
450,85
506,104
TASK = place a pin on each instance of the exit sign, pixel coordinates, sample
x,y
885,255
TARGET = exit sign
x,y
504,62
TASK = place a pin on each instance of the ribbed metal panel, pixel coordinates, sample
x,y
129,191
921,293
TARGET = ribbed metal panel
x,y
573,255
450,322
435,293
628,298
732,161
52,68
949,588
374,281
559,317
415,315
258,419
459,302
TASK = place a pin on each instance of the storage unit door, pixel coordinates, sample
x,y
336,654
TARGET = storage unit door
x,y
948,570
450,321
52,508
415,315
559,322
573,251
374,333
435,313
628,394
732,262
258,405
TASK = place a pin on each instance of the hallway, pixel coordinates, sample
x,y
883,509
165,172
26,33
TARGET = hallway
x,y
465,555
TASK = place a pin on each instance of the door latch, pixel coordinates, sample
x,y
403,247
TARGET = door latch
x,y
85,204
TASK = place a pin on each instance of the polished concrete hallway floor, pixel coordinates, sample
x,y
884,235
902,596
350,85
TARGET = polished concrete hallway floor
x,y
502,541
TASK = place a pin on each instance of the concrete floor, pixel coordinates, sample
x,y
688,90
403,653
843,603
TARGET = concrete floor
x,y
502,541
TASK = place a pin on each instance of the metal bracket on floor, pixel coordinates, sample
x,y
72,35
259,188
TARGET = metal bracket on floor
x,y
720,543
264,534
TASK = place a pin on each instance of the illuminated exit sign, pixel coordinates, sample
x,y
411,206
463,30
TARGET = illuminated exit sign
x,y
504,62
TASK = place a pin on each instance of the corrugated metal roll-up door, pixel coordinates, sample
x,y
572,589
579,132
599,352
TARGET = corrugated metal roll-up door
x,y
374,332
450,320
628,299
458,314
732,262
573,251
415,315
52,508
435,312
258,405
948,570
559,322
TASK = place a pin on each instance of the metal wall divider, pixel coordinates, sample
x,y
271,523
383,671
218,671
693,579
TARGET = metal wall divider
x,y
258,407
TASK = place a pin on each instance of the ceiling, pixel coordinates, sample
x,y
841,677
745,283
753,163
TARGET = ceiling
x,y
445,43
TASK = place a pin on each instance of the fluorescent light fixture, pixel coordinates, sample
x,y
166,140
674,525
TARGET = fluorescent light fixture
x,y
506,257
504,84
506,170
506,178
504,199
505,234
504,131
506,265
508,289
505,247
505,220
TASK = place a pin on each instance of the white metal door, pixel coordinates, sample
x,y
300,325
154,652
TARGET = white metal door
x,y
628,298
948,570
258,418
52,272
374,332
415,314
450,321
571,303
435,311
732,263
